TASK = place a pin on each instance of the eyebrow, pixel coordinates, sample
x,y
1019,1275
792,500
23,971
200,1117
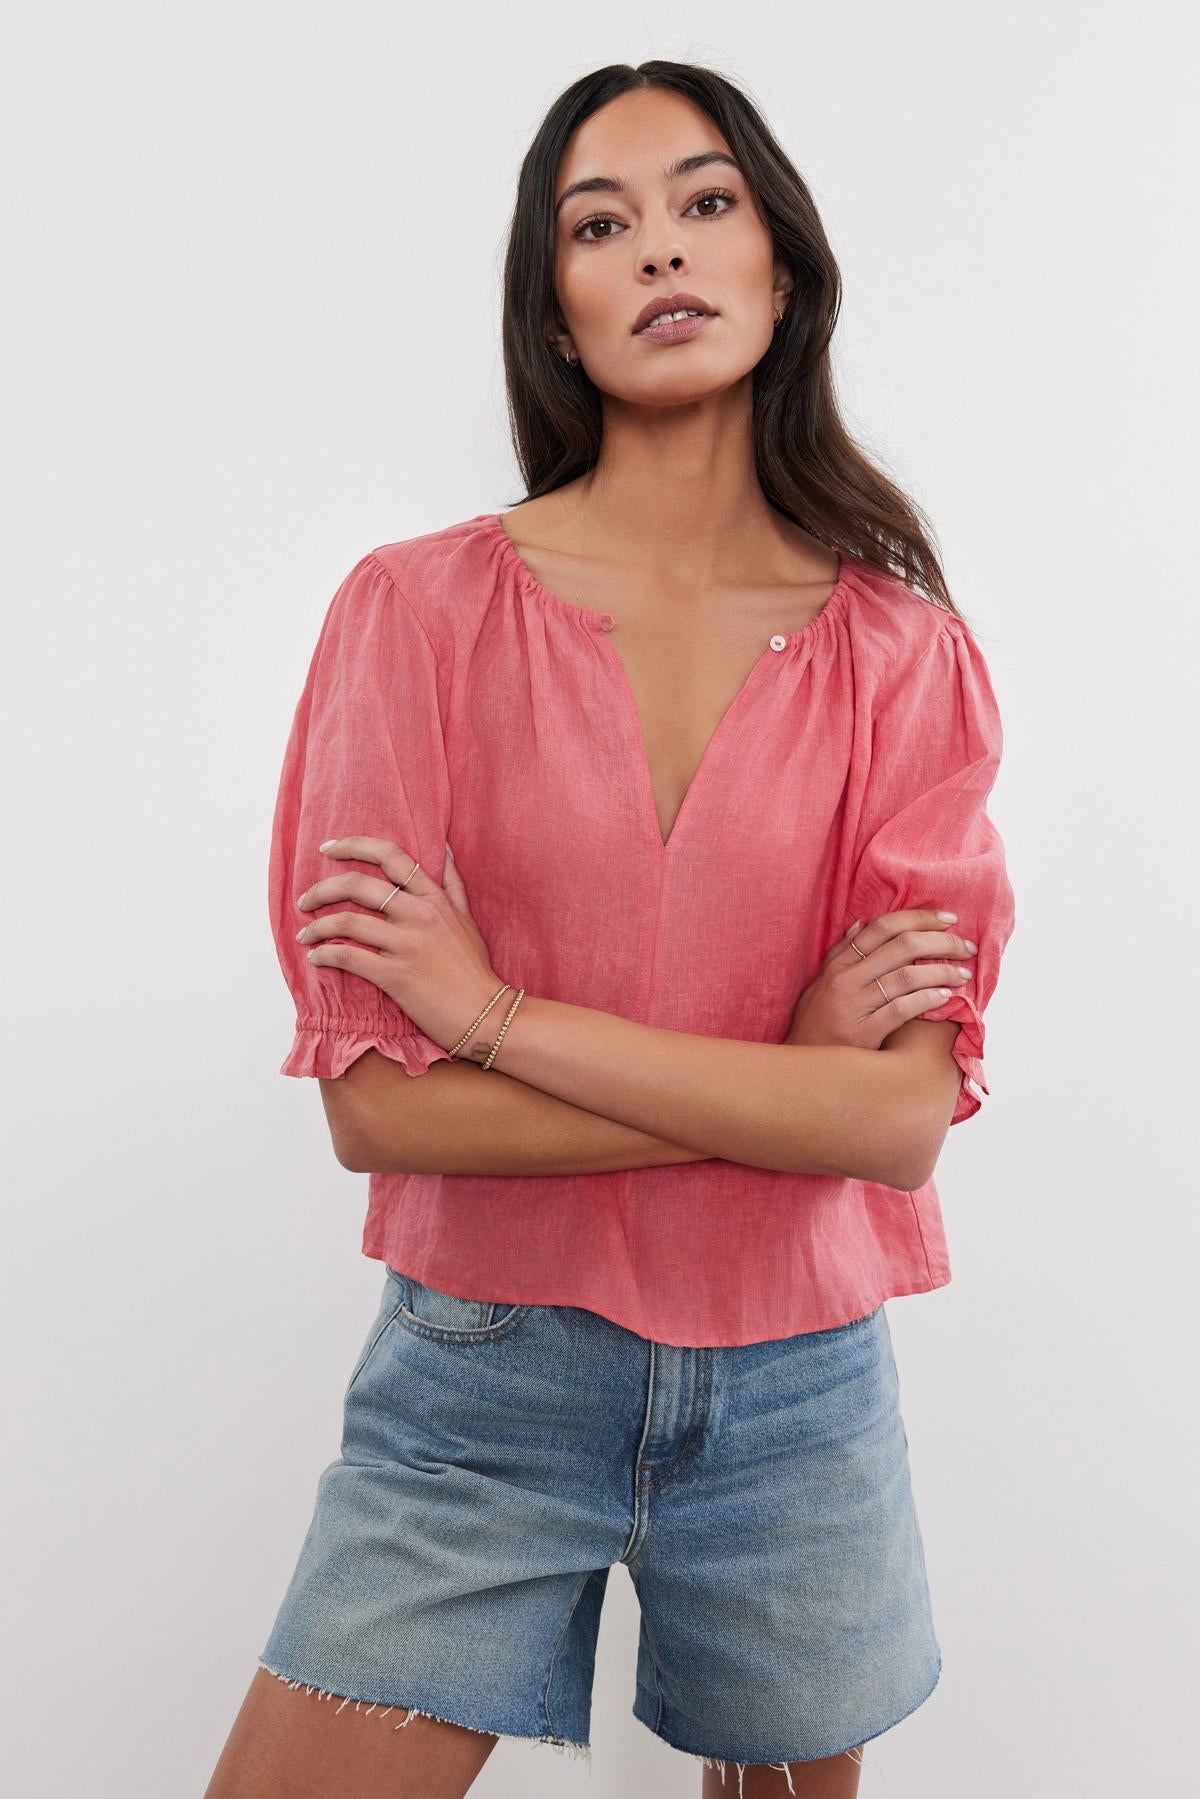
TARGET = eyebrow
x,y
612,184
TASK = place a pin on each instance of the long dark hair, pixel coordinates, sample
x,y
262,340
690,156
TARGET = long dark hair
x,y
808,465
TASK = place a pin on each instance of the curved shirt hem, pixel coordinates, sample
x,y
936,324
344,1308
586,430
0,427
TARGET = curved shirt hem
x,y
537,1295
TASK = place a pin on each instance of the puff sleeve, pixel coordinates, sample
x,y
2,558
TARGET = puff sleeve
x,y
365,756
926,838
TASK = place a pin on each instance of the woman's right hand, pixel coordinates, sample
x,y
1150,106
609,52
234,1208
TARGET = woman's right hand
x,y
843,1005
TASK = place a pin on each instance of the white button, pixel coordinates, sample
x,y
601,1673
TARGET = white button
x,y
779,643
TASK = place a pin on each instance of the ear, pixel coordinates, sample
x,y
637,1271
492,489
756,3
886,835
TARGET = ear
x,y
560,341
781,287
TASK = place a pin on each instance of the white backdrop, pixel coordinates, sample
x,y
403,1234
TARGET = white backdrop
x,y
253,332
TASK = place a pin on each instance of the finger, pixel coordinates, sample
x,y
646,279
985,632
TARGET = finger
x,y
392,858
353,960
889,975
904,1006
361,927
452,881
365,890
922,977
858,942
898,937
910,918
841,942
911,946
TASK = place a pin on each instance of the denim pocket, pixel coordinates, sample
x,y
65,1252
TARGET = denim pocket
x,y
395,1290
428,1312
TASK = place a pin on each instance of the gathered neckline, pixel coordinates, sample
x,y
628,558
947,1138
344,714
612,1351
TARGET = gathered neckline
x,y
494,521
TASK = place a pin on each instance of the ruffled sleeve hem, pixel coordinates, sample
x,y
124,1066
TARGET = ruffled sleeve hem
x,y
967,1052
968,1101
325,1047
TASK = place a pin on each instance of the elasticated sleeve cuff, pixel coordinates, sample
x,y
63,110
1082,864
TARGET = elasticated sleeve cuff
x,y
325,1047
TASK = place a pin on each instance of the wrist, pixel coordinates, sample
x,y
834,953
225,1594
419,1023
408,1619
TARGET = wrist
x,y
487,1001
492,1035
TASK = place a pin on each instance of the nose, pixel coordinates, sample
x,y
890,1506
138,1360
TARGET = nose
x,y
674,263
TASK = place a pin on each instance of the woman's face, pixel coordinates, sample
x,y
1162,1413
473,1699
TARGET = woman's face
x,y
660,233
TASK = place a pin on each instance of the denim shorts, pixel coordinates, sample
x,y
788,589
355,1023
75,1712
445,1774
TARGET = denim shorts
x,y
498,1459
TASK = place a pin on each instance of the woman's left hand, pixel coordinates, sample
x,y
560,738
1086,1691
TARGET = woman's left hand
x,y
425,951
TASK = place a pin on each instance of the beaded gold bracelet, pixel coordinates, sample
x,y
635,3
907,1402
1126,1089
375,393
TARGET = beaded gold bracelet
x,y
453,1053
500,1033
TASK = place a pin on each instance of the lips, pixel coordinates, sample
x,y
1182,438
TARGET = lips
x,y
670,303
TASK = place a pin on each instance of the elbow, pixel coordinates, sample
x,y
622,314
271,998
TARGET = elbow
x,y
367,1157
903,1165
350,1147
918,1152
362,1152
346,1125
383,1120
908,1159
913,1103
904,1173
908,1176
351,1155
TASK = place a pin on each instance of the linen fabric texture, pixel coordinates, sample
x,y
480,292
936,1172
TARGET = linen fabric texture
x,y
452,698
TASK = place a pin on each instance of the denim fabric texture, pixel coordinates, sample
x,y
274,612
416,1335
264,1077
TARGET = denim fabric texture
x,y
498,1458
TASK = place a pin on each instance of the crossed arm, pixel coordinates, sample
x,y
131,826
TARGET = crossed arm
x,y
584,1091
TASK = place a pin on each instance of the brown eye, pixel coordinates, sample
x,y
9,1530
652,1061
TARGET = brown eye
x,y
715,193
598,218
606,218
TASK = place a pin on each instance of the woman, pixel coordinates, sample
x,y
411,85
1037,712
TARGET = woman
x,y
715,771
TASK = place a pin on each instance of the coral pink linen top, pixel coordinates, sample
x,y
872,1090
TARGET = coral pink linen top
x,y
453,697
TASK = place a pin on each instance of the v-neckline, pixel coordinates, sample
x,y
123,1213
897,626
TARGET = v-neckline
x,y
707,755
602,621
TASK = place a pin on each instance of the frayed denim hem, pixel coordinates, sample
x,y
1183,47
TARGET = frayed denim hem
x,y
562,1744
854,1750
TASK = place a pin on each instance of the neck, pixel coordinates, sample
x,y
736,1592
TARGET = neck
x,y
675,490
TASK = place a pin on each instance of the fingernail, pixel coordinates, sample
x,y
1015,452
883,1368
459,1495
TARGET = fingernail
x,y
328,843
971,946
946,917
944,991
